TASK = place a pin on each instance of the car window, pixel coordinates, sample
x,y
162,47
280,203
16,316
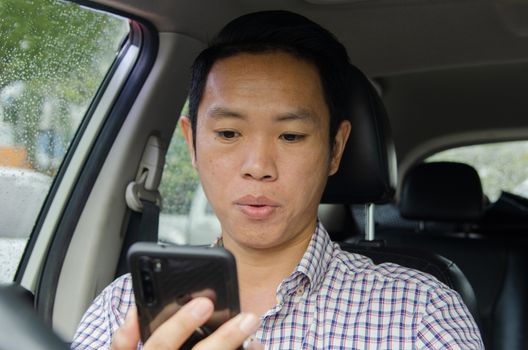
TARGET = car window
x,y
186,216
501,166
53,58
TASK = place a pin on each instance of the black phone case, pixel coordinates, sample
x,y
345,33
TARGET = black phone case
x,y
166,277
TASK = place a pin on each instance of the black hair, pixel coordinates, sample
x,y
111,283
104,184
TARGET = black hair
x,y
282,31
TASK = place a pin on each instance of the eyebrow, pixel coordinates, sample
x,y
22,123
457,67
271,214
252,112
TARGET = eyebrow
x,y
219,112
302,115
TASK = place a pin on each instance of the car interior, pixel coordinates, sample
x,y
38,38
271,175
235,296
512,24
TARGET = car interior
x,y
431,75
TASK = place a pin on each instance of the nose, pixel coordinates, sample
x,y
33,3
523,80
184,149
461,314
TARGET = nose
x,y
260,161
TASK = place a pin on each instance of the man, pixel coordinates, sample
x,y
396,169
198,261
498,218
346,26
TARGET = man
x,y
267,126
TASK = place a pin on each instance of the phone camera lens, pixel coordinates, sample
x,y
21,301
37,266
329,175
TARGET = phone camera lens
x,y
157,265
147,284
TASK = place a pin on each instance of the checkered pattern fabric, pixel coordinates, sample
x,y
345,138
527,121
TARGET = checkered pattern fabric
x,y
333,300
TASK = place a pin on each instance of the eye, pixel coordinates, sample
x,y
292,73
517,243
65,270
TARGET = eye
x,y
290,137
227,134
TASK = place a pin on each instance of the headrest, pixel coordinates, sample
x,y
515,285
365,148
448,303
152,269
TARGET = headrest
x,y
367,173
442,191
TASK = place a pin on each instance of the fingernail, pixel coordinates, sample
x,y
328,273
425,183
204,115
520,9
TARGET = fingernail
x,y
200,308
254,345
249,323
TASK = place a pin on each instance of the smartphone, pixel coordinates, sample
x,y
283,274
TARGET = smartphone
x,y
166,277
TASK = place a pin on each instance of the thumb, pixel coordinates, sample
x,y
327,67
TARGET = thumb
x,y
127,336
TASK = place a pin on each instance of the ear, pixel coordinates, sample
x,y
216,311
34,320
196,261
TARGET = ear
x,y
186,126
339,146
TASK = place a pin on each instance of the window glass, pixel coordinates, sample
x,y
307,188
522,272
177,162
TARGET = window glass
x,y
501,166
53,57
186,216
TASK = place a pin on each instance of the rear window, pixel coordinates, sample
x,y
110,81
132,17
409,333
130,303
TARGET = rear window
x,y
502,167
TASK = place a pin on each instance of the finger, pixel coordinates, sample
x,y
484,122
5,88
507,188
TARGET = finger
x,y
177,329
254,345
208,293
127,336
231,334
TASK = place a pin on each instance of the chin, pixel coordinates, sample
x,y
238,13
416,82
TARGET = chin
x,y
256,239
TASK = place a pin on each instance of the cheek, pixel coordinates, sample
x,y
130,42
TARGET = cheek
x,y
305,175
211,168
216,170
311,162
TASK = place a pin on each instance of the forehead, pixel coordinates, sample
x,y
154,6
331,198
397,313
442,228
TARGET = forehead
x,y
283,67
274,82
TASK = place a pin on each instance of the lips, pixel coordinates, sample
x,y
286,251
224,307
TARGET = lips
x,y
257,207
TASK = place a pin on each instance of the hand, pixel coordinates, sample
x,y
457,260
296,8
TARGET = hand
x,y
175,331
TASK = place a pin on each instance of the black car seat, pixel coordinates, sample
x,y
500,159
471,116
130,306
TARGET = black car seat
x,y
448,197
368,175
442,191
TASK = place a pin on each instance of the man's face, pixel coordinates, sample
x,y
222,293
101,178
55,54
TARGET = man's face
x,y
262,147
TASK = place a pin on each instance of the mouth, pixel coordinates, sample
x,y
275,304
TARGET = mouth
x,y
257,207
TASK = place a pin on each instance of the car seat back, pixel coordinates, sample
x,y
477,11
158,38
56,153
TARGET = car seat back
x,y
367,175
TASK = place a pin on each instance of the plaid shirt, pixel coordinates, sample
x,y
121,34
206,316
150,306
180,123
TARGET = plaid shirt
x,y
333,300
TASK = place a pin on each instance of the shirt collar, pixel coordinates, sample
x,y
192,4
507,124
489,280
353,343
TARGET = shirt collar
x,y
317,256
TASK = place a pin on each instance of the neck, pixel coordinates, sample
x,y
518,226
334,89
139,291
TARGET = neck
x,y
260,271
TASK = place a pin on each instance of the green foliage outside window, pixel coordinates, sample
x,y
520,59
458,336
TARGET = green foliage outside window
x,y
179,177
53,57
